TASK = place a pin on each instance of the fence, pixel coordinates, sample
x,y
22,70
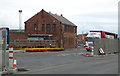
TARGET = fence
x,y
108,45
33,43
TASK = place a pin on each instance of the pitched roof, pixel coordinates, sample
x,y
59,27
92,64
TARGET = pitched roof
x,y
62,19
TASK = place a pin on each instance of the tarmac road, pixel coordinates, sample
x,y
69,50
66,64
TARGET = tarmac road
x,y
66,62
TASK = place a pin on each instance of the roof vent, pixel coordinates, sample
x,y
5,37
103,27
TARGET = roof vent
x,y
61,15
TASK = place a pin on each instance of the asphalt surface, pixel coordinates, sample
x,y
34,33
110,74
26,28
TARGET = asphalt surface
x,y
0,58
0,61
69,61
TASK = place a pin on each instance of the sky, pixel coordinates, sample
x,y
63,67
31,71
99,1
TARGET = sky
x,y
86,14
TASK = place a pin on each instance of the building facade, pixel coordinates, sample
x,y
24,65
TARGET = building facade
x,y
48,26
81,38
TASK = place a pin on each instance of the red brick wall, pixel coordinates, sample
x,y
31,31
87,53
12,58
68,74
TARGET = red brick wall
x,y
17,35
45,18
68,36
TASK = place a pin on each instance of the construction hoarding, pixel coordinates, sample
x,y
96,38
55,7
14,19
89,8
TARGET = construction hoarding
x,y
108,45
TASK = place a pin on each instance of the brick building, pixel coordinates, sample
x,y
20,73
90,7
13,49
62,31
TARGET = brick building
x,y
48,26
81,38
17,35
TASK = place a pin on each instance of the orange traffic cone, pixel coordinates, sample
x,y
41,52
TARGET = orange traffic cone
x,y
14,64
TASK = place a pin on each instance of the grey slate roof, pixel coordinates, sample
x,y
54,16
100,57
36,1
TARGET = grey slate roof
x,y
62,19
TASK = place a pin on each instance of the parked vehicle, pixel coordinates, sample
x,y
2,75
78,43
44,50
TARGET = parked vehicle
x,y
97,35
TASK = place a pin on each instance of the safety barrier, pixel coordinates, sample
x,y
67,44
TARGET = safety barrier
x,y
92,50
108,45
10,56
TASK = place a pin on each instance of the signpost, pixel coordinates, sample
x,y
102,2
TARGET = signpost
x,y
4,46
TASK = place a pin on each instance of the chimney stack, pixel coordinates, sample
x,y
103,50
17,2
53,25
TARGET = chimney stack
x,y
20,19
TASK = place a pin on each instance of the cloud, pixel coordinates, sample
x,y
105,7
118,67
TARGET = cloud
x,y
89,13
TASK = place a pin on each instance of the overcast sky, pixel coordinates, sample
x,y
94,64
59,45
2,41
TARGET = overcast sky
x,y
86,14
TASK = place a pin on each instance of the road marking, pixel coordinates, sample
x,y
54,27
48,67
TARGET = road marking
x,y
67,54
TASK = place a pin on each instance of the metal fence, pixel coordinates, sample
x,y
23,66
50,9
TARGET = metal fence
x,y
108,45
33,43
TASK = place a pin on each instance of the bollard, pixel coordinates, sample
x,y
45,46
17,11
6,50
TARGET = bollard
x,y
92,50
10,56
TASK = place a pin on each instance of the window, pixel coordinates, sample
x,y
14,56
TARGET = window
x,y
65,29
35,27
69,29
48,27
54,27
43,27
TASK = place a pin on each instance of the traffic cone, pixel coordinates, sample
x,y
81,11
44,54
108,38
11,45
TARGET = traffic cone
x,y
14,64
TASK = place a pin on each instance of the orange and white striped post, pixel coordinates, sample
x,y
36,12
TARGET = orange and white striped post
x,y
10,56
92,50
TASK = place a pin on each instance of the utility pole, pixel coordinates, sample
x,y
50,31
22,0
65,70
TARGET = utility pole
x,y
61,35
82,37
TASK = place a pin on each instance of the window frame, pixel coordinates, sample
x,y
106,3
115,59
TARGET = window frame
x,y
35,27
54,28
48,28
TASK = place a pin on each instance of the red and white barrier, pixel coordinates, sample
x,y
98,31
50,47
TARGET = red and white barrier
x,y
10,56
92,50
87,48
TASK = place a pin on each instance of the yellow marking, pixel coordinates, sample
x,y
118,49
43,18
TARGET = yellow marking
x,y
37,48
2,42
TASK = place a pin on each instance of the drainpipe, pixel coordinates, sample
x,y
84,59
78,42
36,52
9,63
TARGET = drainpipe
x,y
61,35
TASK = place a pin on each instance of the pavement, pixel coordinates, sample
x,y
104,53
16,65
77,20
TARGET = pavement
x,y
15,51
